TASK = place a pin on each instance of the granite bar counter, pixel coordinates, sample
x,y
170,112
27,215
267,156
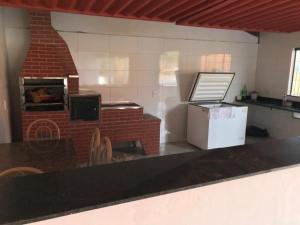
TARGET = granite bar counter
x,y
44,196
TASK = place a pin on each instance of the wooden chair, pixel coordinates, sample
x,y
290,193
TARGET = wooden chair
x,y
95,145
104,154
20,171
108,149
43,129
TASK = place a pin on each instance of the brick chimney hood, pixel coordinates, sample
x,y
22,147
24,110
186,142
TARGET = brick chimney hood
x,y
48,54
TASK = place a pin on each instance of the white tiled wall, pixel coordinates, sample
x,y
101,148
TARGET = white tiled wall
x,y
154,64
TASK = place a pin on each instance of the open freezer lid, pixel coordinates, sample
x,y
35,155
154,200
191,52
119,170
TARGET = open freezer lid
x,y
210,86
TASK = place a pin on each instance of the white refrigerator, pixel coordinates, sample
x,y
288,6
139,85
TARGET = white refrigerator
x,y
213,123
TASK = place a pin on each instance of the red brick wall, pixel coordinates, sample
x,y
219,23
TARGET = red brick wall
x,y
118,115
150,138
60,118
129,125
73,85
48,54
81,133
118,124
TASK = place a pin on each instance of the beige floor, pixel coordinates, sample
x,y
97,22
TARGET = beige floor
x,y
181,147
176,147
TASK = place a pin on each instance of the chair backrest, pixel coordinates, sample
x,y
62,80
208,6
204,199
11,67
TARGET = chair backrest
x,y
108,149
42,129
95,145
104,154
20,171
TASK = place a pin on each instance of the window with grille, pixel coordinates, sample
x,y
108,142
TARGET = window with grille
x,y
294,89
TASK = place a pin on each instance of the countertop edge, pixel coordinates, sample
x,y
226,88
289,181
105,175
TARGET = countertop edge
x,y
126,200
270,106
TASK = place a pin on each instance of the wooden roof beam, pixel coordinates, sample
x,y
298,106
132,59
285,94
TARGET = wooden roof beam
x,y
101,6
134,7
237,12
253,12
181,9
118,6
196,10
274,15
207,11
149,8
226,10
276,7
167,7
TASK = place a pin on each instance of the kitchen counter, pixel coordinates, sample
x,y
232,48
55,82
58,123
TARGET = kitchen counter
x,y
43,196
273,103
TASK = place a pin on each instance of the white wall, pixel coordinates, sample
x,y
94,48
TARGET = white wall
x,y
267,199
17,40
150,63
274,62
272,77
154,63
5,136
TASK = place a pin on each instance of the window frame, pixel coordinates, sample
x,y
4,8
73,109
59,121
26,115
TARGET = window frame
x,y
291,77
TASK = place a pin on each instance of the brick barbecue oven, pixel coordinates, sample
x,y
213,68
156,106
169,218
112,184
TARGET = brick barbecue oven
x,y
49,57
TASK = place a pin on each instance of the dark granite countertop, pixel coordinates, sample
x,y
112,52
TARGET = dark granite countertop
x,y
273,103
47,156
120,105
43,196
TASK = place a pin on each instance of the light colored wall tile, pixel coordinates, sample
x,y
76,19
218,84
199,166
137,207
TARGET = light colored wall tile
x,y
94,77
124,94
122,44
173,126
71,39
176,45
145,61
120,61
155,67
123,78
149,98
150,45
93,43
105,91
147,78
93,61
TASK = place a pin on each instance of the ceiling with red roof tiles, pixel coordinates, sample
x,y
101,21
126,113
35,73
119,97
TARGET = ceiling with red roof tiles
x,y
247,15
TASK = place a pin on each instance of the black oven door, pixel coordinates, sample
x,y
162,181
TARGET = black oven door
x,y
85,107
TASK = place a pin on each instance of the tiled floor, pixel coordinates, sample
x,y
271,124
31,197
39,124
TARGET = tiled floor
x,y
130,152
176,147
181,147
127,151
